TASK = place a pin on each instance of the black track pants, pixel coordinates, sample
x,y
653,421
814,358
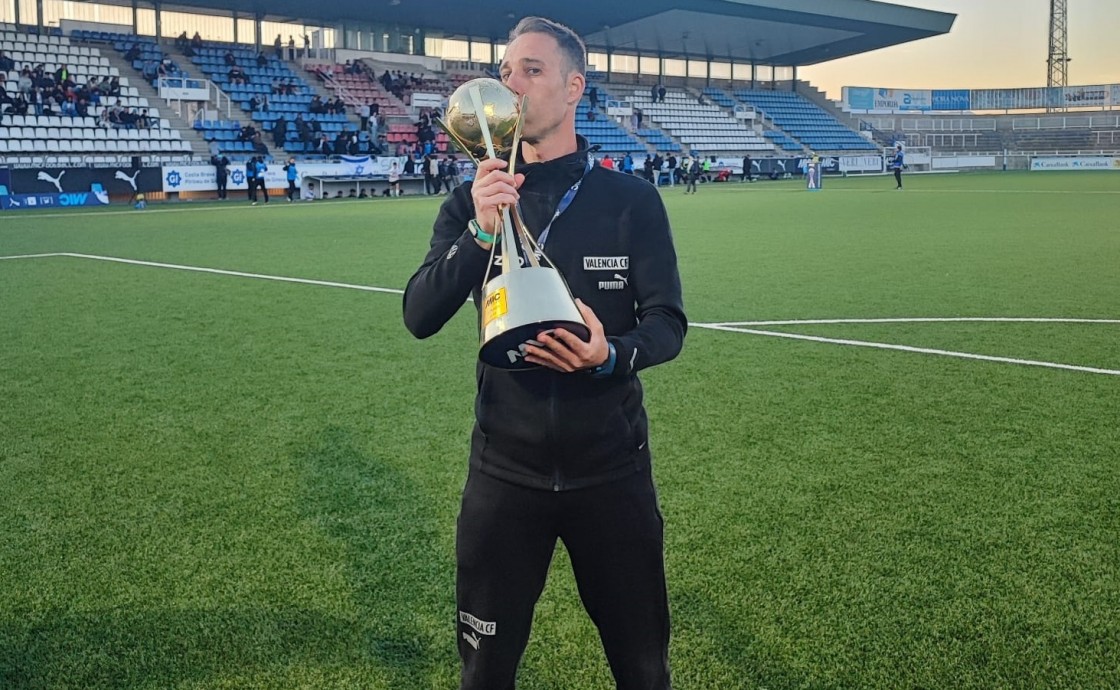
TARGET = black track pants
x,y
615,538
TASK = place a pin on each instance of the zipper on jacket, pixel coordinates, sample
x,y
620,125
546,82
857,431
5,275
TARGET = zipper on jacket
x,y
551,428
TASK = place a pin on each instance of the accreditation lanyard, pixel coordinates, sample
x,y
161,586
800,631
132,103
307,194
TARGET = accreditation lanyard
x,y
565,202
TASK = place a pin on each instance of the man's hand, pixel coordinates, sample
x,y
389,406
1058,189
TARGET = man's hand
x,y
562,350
493,187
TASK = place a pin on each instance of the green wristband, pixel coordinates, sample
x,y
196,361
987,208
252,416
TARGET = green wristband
x,y
478,233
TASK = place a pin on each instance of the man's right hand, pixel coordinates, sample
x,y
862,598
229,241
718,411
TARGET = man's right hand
x,y
493,187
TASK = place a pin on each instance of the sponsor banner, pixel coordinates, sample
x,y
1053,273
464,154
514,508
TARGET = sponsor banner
x,y
1086,96
427,100
1012,99
861,164
1092,96
20,202
828,164
120,181
859,97
957,162
1076,163
952,99
864,98
204,178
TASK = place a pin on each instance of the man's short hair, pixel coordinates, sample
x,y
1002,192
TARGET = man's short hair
x,y
571,45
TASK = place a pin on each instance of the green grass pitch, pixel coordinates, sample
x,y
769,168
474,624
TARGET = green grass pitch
x,y
212,481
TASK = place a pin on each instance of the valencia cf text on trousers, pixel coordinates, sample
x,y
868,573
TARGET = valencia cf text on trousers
x,y
614,535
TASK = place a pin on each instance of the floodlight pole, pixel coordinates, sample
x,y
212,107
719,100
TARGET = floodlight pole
x,y
1057,72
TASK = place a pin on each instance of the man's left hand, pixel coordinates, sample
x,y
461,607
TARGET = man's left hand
x,y
563,350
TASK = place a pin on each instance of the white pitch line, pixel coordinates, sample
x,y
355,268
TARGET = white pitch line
x,y
218,271
710,326
948,319
30,256
907,348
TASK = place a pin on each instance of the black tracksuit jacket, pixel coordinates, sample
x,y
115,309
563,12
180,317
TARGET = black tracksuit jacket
x,y
541,428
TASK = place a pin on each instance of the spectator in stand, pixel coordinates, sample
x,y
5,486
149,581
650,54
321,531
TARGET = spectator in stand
x,y
196,41
276,47
306,46
291,48
303,129
660,93
340,143
247,133
181,41
25,83
653,93
279,132
7,64
82,108
593,97
133,53
18,106
149,70
114,87
62,75
229,58
103,119
324,147
262,59
68,109
363,114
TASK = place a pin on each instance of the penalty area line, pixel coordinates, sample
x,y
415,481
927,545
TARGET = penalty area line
x,y
908,348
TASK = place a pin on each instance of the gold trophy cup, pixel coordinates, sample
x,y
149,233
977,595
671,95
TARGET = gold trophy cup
x,y
484,119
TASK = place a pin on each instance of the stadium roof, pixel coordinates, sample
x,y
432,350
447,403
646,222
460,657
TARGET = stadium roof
x,y
769,32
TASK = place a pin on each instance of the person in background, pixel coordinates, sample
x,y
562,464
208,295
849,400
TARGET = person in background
x,y
293,175
897,164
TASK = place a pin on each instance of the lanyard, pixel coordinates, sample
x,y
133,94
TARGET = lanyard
x,y
565,202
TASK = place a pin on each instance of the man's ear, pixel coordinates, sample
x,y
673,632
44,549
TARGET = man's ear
x,y
576,84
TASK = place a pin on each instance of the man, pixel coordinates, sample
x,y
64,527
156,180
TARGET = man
x,y
560,451
221,166
748,173
293,174
251,180
693,175
896,164
261,168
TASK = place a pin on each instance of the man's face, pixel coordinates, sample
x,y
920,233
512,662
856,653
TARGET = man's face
x,y
534,66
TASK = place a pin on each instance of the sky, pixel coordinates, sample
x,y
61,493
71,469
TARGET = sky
x,y
993,44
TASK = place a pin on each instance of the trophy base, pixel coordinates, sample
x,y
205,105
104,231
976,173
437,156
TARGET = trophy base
x,y
507,350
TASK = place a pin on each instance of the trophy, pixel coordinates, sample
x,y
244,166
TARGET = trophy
x,y
529,296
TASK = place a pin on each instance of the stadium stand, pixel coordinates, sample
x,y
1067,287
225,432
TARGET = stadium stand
x,y
118,123
807,122
702,127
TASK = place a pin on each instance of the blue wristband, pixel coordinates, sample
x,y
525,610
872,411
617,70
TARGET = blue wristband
x,y
607,368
